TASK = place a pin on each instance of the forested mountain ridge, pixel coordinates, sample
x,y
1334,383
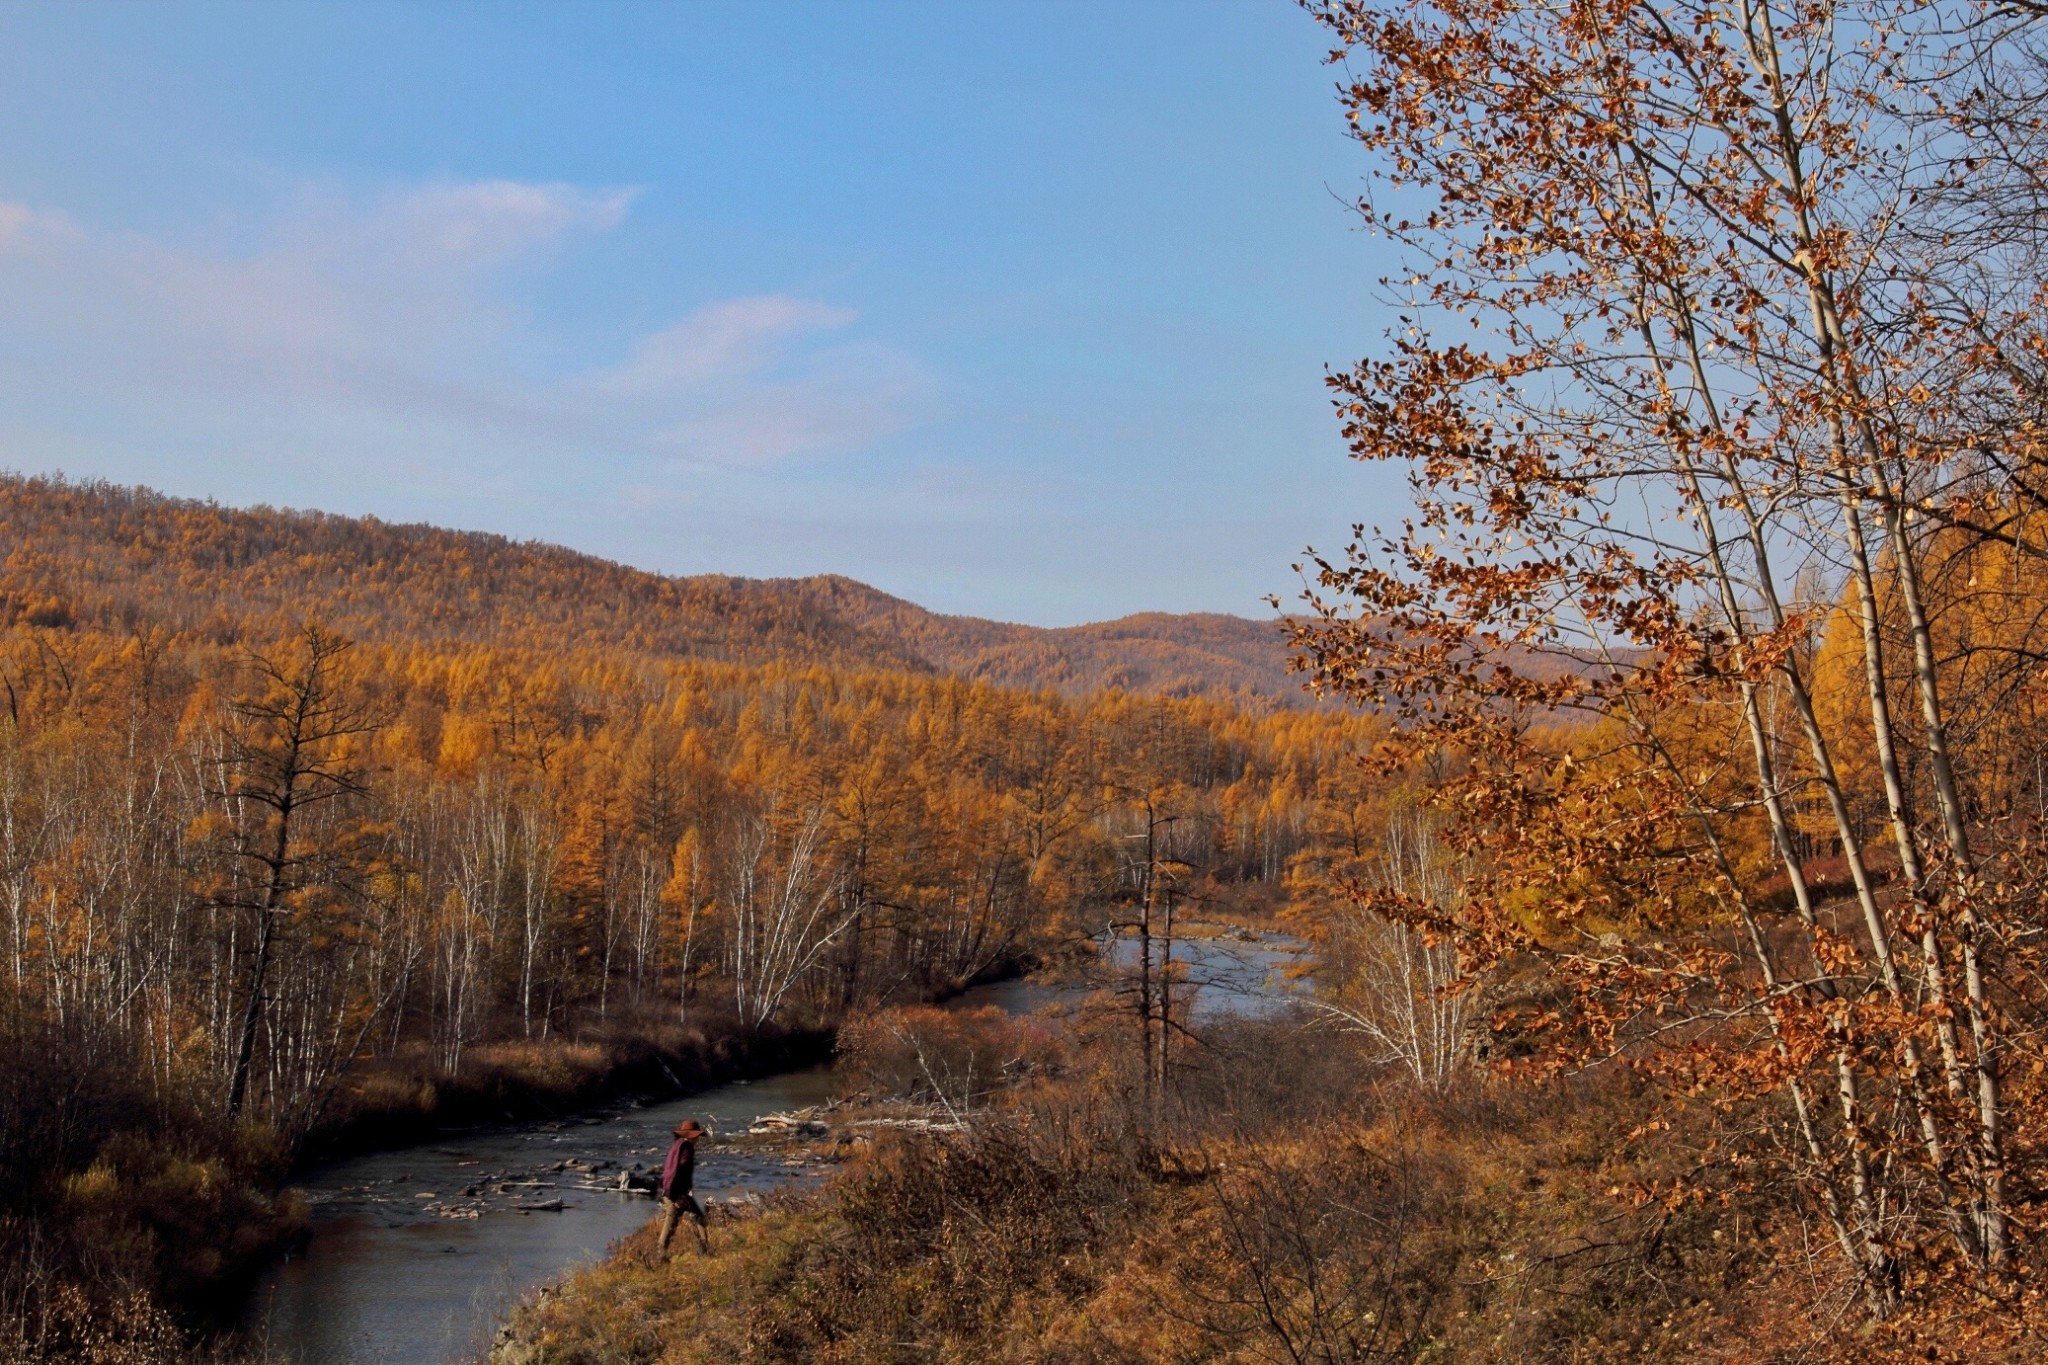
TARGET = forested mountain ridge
x,y
128,555
1197,653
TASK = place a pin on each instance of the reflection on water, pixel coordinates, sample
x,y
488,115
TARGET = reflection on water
x,y
1239,973
398,1271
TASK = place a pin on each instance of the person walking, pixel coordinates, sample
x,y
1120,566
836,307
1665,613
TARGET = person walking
x,y
678,1179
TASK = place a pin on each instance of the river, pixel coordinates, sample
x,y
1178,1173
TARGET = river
x,y
417,1255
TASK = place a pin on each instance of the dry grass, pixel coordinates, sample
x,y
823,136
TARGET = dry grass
x,y
1284,1215
953,1057
404,1098
690,1308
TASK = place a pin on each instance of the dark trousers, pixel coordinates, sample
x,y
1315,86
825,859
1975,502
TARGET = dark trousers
x,y
672,1212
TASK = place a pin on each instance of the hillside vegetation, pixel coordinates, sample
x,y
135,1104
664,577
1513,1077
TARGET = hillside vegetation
x,y
105,554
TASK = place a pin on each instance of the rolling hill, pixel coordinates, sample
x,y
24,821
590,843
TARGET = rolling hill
x,y
96,551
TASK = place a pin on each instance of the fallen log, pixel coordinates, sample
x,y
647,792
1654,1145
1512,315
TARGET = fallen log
x,y
914,1125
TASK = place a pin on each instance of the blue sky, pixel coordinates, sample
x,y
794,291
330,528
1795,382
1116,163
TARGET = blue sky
x,y
1018,310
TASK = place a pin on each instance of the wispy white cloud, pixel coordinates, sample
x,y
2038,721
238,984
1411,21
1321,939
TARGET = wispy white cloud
x,y
389,337
720,341
476,225
758,380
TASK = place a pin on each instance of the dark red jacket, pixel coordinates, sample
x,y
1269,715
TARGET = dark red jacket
x,y
679,1172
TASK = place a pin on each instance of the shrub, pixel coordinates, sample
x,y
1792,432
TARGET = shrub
x,y
956,1057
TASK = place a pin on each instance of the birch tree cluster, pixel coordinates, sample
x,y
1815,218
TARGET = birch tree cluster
x,y
1717,630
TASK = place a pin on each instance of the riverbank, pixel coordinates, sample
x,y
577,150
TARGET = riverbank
x,y
1020,1123
403,1100
182,1217
418,1254
400,1102
1292,1201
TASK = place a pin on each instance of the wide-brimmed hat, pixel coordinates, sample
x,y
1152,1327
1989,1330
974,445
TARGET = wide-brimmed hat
x,y
689,1128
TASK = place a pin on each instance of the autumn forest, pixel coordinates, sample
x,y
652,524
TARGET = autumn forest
x,y
1636,829
250,861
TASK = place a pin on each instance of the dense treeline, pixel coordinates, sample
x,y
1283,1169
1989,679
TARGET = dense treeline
x,y
417,842
244,876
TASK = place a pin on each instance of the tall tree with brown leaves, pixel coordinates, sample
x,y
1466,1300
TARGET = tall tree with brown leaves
x,y
1707,382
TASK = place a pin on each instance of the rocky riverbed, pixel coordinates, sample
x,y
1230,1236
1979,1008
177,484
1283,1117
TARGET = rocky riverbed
x,y
418,1254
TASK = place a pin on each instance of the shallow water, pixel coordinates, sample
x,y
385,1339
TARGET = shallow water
x,y
397,1272
1241,974
405,1268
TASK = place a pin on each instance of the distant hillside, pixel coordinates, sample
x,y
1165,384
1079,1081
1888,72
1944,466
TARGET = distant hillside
x,y
1203,653
98,551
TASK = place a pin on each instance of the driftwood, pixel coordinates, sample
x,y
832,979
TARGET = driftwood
x,y
795,1123
545,1206
807,1123
914,1125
